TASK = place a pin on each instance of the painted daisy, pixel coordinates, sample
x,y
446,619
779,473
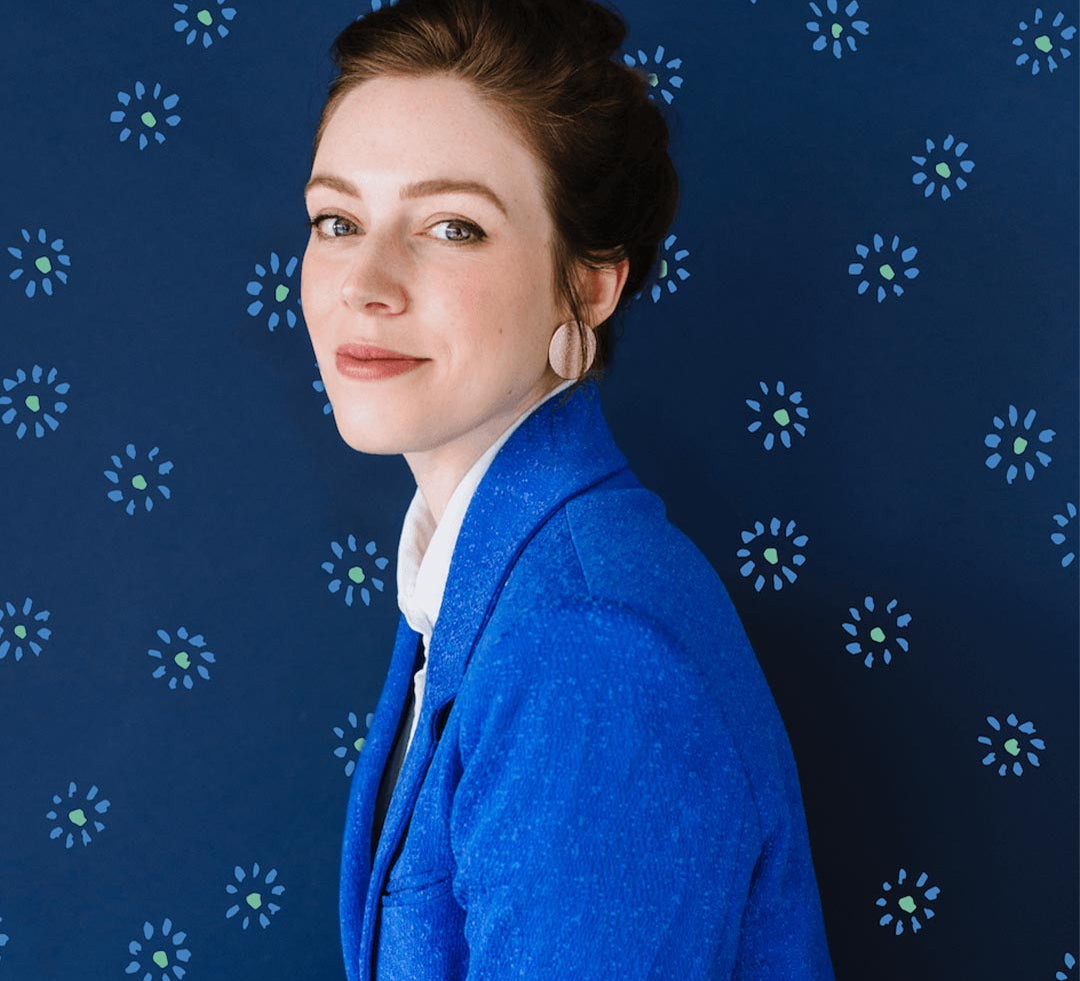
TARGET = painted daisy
x,y
906,901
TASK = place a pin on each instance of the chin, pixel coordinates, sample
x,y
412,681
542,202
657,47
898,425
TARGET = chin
x,y
383,426
367,439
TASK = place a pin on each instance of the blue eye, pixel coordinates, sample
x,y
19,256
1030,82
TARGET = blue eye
x,y
319,219
475,232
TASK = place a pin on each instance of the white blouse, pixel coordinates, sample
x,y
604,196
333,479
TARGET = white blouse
x,y
425,549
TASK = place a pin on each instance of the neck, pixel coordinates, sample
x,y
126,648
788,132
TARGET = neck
x,y
439,470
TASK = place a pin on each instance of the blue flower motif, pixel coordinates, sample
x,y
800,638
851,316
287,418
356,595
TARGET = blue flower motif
x,y
44,266
354,574
1042,41
1012,747
941,169
320,386
829,28
772,551
875,638
144,119
1058,537
281,291
663,270
155,958
258,899
1019,444
651,77
137,481
203,21
907,904
1067,974
21,630
178,666
41,418
777,415
76,816
883,266
351,744
4,938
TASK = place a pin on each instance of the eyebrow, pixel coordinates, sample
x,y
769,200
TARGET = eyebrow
x,y
418,189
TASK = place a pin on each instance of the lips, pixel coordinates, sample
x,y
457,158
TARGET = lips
x,y
369,352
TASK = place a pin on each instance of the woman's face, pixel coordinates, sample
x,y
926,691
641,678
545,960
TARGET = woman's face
x,y
439,273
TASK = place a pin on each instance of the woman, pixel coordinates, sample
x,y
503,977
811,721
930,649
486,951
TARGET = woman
x,y
571,773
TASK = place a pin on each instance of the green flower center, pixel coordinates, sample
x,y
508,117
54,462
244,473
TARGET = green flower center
x,y
77,817
281,292
139,482
20,631
204,18
33,403
254,900
653,80
1042,42
837,30
1012,747
887,272
781,416
1019,445
356,574
906,903
43,264
161,958
771,555
358,744
148,119
877,635
943,170
183,660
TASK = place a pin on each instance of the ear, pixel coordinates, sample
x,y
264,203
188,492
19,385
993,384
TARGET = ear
x,y
600,289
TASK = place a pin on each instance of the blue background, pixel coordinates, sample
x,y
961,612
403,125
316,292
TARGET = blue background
x,y
172,332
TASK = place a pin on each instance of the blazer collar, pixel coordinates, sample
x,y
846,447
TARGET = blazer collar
x,y
558,451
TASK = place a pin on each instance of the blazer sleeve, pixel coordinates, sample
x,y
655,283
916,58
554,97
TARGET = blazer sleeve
x,y
604,825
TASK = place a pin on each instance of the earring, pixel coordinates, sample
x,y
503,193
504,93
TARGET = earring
x,y
565,352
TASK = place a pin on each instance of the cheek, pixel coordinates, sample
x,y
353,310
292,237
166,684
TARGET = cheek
x,y
474,297
493,300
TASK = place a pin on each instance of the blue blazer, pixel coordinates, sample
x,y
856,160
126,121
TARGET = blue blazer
x,y
600,785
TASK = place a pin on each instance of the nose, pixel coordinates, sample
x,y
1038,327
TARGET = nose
x,y
373,274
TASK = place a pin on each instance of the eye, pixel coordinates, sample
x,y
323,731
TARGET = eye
x,y
476,234
319,219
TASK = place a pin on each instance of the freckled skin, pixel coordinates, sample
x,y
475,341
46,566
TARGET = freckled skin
x,y
402,274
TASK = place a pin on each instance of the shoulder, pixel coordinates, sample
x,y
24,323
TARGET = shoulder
x,y
613,555
595,658
577,635
612,604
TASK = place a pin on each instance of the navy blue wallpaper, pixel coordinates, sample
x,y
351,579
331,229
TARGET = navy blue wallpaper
x,y
852,379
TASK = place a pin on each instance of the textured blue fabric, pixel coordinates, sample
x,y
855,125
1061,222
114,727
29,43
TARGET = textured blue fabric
x,y
600,785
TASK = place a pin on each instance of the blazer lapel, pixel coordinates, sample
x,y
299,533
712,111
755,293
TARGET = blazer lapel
x,y
356,842
557,453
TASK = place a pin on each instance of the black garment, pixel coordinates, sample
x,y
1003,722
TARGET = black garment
x,y
397,755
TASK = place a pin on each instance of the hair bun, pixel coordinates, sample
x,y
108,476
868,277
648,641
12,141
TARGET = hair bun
x,y
597,30
602,30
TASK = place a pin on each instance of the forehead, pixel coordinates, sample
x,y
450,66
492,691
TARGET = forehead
x,y
390,131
